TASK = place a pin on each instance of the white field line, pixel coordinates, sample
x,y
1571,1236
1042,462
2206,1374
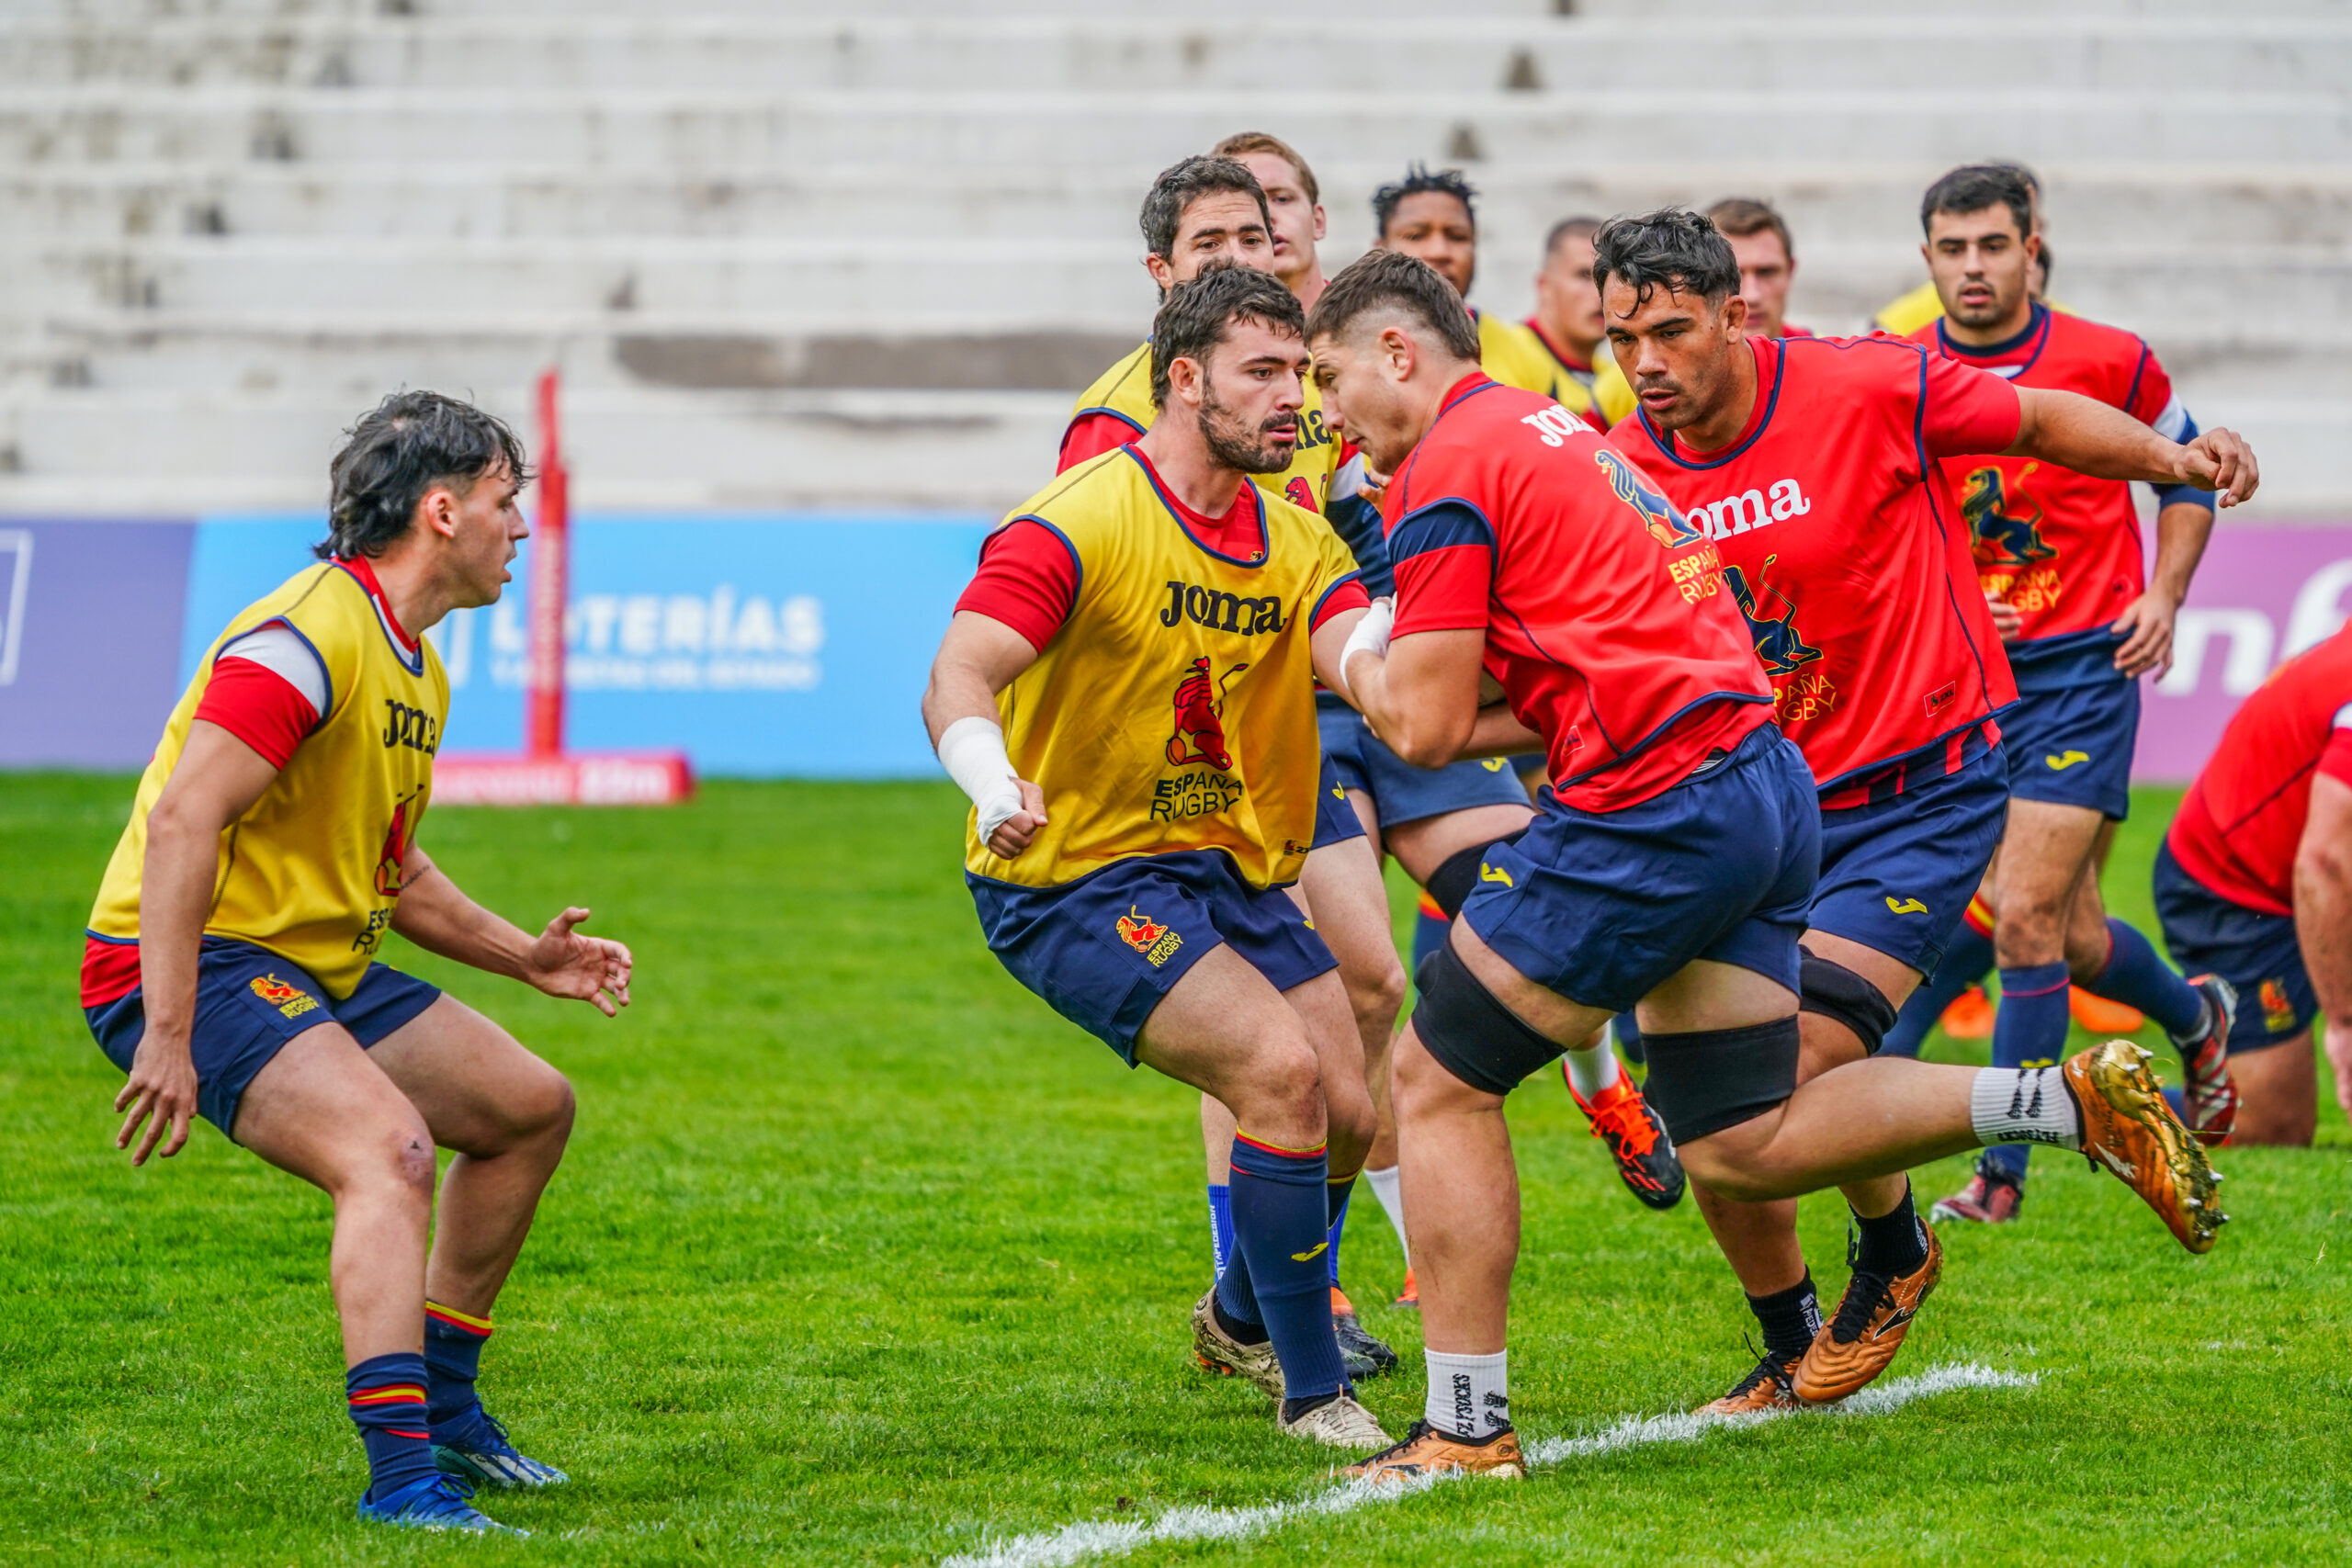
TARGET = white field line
x,y
1076,1543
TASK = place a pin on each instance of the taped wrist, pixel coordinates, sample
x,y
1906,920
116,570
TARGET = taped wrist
x,y
972,750
1837,992
1450,885
1470,1033
1705,1080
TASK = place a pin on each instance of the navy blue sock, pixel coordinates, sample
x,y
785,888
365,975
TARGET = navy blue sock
x,y
1629,1038
453,1342
1220,1224
1335,1202
386,1395
1280,1220
1236,1298
1965,963
2029,1031
2135,977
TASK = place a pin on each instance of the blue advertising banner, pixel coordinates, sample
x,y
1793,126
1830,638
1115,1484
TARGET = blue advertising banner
x,y
783,645
89,621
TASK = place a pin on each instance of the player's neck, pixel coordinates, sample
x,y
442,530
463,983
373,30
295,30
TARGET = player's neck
x,y
1184,464
1721,424
1308,285
413,591
1564,342
2009,326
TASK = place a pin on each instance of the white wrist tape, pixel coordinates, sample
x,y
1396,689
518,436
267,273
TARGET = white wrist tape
x,y
1370,636
972,750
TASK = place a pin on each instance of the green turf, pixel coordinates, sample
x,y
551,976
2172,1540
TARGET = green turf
x,y
862,1256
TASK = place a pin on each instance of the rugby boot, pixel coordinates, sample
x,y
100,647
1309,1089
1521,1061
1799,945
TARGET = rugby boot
x,y
1766,1387
1340,1423
474,1447
1409,1297
1970,1017
1989,1199
1646,1159
2095,1014
1220,1352
1861,1340
434,1503
1366,1354
2130,1131
1426,1451
2210,1098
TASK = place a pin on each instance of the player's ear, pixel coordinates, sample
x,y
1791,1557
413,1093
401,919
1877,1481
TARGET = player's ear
x,y
1397,347
1162,273
1319,220
1736,316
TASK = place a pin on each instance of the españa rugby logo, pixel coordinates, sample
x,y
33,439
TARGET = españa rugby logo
x,y
1666,525
1147,936
290,1001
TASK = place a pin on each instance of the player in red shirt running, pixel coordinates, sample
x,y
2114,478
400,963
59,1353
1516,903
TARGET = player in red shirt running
x,y
1670,866
2255,882
2060,553
1811,465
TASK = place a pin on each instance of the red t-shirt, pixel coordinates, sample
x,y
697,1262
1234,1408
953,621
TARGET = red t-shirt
x,y
1028,576
2242,821
1608,621
2062,548
1092,433
1841,543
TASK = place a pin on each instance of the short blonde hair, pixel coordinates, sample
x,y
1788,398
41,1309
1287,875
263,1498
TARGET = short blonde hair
x,y
1243,142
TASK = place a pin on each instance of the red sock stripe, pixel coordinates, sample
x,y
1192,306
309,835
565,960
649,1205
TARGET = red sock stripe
x,y
390,1393
1315,1153
478,1327
420,1436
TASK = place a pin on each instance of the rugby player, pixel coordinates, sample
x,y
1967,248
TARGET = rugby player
x,y
1671,866
232,968
2254,881
1809,463
2061,552
1906,313
1759,241
1126,693
1433,216
1567,307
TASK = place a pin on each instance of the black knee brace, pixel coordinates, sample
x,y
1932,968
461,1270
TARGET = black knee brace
x,y
1709,1079
1449,885
1835,991
1477,1038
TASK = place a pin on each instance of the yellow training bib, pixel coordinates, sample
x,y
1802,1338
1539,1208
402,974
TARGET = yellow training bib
x,y
312,872
1174,710
1508,352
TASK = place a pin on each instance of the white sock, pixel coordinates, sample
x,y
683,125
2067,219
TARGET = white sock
x,y
1385,1186
2024,1105
1594,1068
1469,1395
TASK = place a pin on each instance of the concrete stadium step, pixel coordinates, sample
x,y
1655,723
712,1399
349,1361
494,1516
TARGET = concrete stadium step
x,y
2156,203
681,133
782,53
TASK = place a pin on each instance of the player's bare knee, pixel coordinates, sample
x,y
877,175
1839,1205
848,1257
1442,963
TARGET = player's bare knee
x,y
1379,996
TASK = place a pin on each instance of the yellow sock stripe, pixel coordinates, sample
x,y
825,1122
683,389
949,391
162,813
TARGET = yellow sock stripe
x,y
1278,1148
392,1393
1336,1178
479,1324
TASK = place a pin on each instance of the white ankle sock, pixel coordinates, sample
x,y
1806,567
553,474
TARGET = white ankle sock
x,y
1469,1395
1594,1068
1385,1186
2024,1105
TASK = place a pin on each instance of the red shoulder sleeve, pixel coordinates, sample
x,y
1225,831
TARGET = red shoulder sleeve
x,y
1967,411
1091,434
259,706
1027,578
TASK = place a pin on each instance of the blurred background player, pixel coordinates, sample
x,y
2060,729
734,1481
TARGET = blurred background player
x,y
1208,211
242,986
1433,217
1906,313
1759,241
2254,882
1125,692
1672,864
2061,552
1567,308
1801,458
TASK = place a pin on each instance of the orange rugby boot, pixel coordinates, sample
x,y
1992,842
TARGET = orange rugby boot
x,y
1427,1452
1409,1298
2096,1015
1766,1387
2131,1132
1637,1141
1860,1341
1970,1017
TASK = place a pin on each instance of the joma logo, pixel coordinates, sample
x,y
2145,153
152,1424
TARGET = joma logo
x,y
1750,510
1220,612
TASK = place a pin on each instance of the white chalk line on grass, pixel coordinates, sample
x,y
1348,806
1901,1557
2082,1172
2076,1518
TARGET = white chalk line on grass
x,y
1103,1538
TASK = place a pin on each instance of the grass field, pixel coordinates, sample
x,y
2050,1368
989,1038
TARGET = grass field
x,y
862,1256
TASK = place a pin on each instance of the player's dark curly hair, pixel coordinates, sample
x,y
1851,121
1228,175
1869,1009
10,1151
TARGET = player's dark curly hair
x,y
1180,185
1420,177
1380,281
1194,318
1973,188
401,448
1673,248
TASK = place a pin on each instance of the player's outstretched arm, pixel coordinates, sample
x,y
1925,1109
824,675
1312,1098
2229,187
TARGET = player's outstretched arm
x,y
979,657
1418,693
2088,436
435,913
215,781
2323,917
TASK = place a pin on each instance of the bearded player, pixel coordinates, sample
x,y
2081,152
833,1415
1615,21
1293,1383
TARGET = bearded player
x,y
1670,868
232,967
1812,466
1126,693
2061,552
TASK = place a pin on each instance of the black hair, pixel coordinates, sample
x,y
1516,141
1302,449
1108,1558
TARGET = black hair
x,y
1673,248
1194,318
400,449
1181,183
1417,179
1973,188
1385,280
